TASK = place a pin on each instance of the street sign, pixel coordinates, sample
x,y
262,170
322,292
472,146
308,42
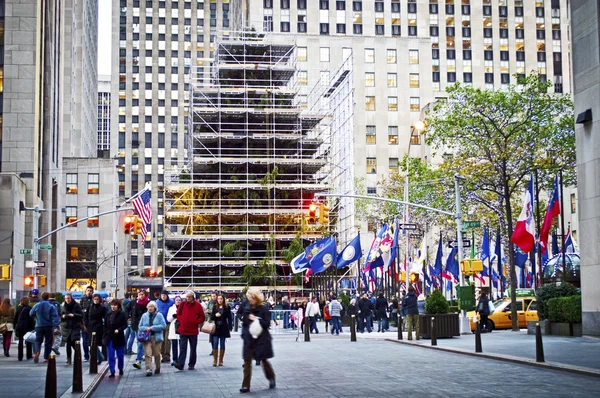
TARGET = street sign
x,y
466,297
466,244
25,251
471,224
113,285
32,264
415,236
45,247
407,226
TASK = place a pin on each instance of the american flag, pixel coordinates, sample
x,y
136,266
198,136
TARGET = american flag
x,y
141,205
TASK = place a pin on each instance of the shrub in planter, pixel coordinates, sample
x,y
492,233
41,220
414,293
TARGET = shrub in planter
x,y
436,303
453,308
549,291
565,309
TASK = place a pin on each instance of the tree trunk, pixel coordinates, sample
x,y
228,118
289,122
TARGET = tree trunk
x,y
511,259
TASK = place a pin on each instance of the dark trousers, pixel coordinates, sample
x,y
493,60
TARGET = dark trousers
x,y
70,345
20,348
175,350
269,374
86,345
483,322
44,334
183,343
313,324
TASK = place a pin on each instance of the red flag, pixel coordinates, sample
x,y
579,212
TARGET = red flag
x,y
552,211
524,233
307,275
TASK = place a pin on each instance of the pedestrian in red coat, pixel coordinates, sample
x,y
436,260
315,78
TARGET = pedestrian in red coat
x,y
190,315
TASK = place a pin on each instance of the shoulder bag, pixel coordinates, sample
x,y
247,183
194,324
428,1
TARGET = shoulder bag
x,y
144,335
208,327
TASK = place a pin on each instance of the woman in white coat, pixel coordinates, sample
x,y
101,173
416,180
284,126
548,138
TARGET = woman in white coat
x,y
172,317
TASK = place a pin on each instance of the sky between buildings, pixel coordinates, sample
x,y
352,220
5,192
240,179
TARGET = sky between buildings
x,y
104,36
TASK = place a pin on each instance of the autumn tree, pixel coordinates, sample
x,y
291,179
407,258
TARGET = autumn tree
x,y
496,139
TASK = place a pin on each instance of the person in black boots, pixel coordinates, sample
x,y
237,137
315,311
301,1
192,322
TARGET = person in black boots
x,y
115,324
94,321
23,324
71,323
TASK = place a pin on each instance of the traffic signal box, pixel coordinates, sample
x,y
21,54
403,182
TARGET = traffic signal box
x,y
471,266
324,214
42,280
137,229
28,281
128,224
312,213
5,272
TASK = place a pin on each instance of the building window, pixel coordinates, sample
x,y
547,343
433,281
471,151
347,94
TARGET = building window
x,y
392,80
371,135
413,56
72,183
370,103
371,190
392,103
379,30
391,56
371,165
415,104
573,204
393,165
324,54
93,184
369,55
71,214
393,135
369,79
92,221
302,78
414,80
302,54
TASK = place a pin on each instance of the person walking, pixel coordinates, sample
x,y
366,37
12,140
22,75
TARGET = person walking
x,y
381,307
209,309
335,310
173,333
312,311
394,311
7,324
34,297
57,336
126,305
412,312
115,324
327,317
164,303
364,314
23,324
153,322
138,309
256,346
294,310
85,303
285,307
72,317
46,322
94,321
190,315
483,309
221,316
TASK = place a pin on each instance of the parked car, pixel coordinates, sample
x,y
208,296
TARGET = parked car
x,y
501,317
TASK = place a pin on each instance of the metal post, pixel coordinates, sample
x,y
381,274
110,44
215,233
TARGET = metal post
x,y
478,337
464,321
51,383
433,332
77,369
399,322
539,346
94,355
353,328
34,249
306,327
562,228
406,221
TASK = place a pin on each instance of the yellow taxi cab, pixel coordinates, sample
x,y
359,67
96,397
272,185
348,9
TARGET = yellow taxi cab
x,y
501,318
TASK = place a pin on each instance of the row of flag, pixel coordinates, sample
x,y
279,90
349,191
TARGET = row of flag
x,y
322,254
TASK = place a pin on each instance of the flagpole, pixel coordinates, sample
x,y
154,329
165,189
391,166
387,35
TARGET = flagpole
x,y
537,226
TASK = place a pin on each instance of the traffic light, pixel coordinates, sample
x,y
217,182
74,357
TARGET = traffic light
x,y
29,281
138,226
471,266
127,224
152,273
312,213
413,278
5,272
42,280
324,214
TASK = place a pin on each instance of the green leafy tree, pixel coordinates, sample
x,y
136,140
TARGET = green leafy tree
x,y
495,140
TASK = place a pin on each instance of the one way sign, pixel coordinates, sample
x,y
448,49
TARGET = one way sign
x,y
454,243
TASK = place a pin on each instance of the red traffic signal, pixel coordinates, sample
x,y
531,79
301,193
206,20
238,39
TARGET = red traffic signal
x,y
312,213
128,224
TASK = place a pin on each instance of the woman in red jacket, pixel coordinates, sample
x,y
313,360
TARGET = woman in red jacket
x,y
190,315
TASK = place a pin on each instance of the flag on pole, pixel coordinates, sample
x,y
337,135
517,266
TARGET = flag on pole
x,y
520,257
552,211
142,207
555,249
451,271
485,246
570,244
524,234
300,262
307,275
325,257
394,251
374,257
386,246
437,268
350,254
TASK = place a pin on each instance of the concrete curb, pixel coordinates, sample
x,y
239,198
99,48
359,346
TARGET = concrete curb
x,y
508,358
94,384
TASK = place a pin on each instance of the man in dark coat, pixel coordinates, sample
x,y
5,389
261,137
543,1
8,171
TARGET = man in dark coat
x,y
72,317
138,309
381,306
114,336
85,303
364,313
410,306
94,321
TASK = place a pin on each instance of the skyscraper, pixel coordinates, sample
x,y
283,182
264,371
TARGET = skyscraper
x,y
104,114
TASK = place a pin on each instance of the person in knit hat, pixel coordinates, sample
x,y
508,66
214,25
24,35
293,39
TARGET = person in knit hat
x,y
163,304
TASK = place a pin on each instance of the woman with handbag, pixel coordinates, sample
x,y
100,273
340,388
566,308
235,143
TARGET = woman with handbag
x,y
150,331
115,324
71,328
94,319
221,316
257,339
7,319
24,324
173,333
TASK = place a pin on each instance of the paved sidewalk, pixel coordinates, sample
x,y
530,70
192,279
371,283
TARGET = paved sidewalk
x,y
332,366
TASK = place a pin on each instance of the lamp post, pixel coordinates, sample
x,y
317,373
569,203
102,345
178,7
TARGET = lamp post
x,y
34,249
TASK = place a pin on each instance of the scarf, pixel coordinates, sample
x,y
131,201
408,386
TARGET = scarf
x,y
144,301
69,307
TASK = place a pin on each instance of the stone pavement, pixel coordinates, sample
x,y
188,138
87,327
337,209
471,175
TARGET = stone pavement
x,y
332,366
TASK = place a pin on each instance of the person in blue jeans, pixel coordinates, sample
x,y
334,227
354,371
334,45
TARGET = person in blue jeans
x,y
47,323
221,316
85,303
285,307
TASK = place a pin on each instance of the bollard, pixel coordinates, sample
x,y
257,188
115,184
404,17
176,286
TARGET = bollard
x,y
237,324
433,332
51,378
94,355
306,329
353,328
399,322
478,338
77,369
539,346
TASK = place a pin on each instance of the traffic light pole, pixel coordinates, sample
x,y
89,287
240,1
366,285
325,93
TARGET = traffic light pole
x,y
36,242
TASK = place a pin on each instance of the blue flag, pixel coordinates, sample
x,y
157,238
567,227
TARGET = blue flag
x,y
374,259
437,268
350,254
485,246
498,253
394,250
520,257
325,257
555,249
452,264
